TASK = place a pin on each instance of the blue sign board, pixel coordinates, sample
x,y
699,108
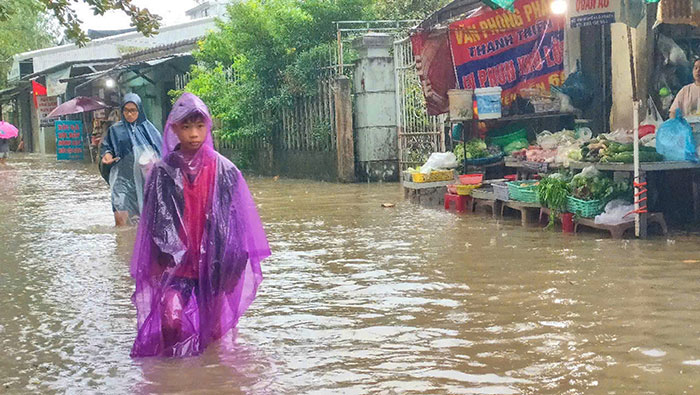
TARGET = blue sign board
x,y
69,140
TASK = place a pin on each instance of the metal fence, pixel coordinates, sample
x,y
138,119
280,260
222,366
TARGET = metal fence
x,y
309,124
419,134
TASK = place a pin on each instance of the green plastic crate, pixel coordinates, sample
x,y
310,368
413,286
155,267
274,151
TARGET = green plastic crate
x,y
527,194
507,134
584,208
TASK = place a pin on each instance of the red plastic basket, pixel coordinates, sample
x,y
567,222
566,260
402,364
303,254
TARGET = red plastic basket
x,y
471,179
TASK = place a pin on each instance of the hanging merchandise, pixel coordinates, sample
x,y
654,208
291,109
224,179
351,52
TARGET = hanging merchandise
x,y
652,121
577,88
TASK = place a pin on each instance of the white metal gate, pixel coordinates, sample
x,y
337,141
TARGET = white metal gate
x,y
419,134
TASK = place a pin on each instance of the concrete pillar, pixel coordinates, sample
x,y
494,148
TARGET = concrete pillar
x,y
643,47
345,146
375,109
26,106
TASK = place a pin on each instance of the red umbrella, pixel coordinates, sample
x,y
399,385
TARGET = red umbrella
x,y
77,105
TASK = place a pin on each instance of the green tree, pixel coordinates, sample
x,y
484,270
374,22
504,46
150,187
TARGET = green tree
x,y
26,29
264,53
407,9
141,18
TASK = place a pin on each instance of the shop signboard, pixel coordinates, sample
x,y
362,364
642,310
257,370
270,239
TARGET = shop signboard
x,y
513,50
46,104
69,140
593,12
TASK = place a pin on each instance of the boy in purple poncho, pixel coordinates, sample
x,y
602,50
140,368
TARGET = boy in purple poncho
x,y
199,245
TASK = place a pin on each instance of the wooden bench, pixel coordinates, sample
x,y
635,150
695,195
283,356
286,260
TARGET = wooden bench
x,y
426,194
528,211
493,204
617,231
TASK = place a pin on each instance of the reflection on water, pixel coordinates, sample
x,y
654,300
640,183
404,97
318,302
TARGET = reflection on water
x,y
356,299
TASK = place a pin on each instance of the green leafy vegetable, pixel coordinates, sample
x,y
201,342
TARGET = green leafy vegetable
x,y
553,191
476,149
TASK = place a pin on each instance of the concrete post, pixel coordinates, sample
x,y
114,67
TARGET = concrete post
x,y
345,146
375,109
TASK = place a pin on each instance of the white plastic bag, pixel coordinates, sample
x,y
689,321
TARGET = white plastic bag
x,y
563,152
621,136
653,117
615,213
648,141
565,102
439,160
589,172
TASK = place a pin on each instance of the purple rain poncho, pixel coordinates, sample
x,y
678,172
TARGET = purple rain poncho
x,y
180,314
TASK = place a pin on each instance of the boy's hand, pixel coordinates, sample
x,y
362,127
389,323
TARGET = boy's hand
x,y
108,159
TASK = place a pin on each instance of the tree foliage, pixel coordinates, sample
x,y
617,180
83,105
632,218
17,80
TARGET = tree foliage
x,y
268,51
145,22
26,29
264,53
407,9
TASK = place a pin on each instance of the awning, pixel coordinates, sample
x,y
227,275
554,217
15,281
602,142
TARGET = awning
x,y
9,93
135,66
55,74
455,9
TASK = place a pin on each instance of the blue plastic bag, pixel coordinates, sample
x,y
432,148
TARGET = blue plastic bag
x,y
578,88
674,139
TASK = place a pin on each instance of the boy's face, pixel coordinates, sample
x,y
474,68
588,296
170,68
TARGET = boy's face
x,y
131,112
191,134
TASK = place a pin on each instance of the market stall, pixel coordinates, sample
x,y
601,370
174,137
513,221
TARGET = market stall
x,y
516,120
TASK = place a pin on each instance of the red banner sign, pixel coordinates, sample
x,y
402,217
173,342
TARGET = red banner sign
x,y
513,50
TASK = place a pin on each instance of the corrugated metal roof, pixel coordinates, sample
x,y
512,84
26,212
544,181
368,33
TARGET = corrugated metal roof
x,y
450,11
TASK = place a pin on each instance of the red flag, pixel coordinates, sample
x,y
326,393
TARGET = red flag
x,y
38,90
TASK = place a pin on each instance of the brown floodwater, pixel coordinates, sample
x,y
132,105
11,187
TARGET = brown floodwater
x,y
356,299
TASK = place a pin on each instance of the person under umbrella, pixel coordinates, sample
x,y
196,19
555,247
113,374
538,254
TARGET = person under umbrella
x,y
130,148
7,131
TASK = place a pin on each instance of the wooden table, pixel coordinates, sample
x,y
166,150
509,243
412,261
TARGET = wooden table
x,y
429,194
650,167
528,211
524,168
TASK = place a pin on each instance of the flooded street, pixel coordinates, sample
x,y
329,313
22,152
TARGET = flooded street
x,y
356,299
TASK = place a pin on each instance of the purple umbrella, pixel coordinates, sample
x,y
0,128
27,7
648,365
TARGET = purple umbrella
x,y
7,130
77,105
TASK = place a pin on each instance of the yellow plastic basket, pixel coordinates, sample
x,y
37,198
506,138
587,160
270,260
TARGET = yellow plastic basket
x,y
466,189
435,176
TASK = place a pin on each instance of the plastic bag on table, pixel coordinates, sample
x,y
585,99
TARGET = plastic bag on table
x,y
546,140
648,141
615,213
674,140
563,153
621,136
588,172
439,160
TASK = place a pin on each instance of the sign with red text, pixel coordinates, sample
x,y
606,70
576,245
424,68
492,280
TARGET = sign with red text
x,y
513,50
69,140
593,12
46,104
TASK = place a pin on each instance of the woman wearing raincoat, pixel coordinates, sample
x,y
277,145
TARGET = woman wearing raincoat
x,y
128,151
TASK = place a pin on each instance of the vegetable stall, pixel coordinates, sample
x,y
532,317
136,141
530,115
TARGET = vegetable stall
x,y
518,120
